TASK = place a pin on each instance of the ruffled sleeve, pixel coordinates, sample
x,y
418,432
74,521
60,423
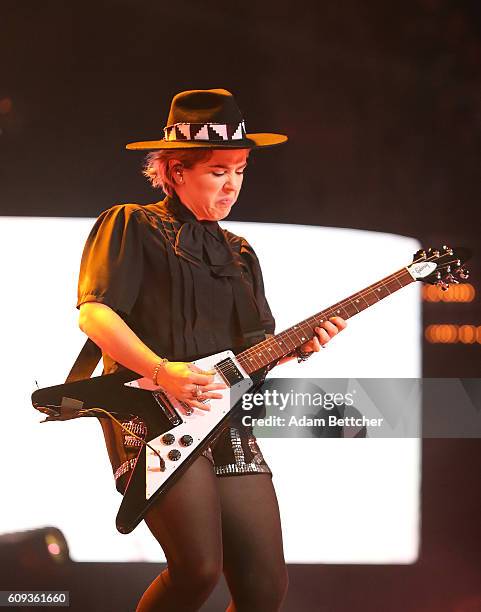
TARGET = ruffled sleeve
x,y
112,260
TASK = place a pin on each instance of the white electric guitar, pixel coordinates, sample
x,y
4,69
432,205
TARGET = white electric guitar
x,y
176,433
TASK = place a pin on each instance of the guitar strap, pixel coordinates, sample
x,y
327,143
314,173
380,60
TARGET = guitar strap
x,y
247,313
86,362
246,310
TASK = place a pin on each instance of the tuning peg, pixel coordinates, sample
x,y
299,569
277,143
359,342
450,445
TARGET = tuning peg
x,y
442,285
421,254
452,279
463,273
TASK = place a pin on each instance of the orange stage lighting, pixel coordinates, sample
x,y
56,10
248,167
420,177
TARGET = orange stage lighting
x,y
457,293
453,334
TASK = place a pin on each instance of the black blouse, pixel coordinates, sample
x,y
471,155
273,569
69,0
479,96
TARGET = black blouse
x,y
169,276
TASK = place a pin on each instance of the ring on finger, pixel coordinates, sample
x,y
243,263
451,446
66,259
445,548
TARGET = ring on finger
x,y
197,393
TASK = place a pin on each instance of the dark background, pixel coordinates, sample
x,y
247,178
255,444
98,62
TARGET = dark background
x,y
382,105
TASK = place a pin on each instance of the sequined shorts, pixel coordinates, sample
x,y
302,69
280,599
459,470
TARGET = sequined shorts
x,y
234,452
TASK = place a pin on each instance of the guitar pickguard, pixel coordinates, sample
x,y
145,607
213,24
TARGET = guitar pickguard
x,y
184,439
178,447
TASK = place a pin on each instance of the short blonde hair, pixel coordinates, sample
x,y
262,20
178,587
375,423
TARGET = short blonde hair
x,y
157,170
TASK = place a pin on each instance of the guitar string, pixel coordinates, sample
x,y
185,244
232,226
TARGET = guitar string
x,y
253,352
286,335
270,342
362,293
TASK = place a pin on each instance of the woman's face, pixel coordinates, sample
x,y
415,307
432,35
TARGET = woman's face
x,y
211,187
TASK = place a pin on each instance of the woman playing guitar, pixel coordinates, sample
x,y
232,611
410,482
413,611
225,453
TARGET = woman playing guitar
x,y
156,291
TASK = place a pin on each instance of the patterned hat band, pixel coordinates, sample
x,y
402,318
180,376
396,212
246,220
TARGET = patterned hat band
x,y
206,132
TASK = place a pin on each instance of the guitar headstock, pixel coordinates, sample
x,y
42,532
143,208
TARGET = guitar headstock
x,y
441,267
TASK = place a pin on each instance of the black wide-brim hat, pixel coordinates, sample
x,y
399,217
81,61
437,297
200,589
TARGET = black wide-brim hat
x,y
207,118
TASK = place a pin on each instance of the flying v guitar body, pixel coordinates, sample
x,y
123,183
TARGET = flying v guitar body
x,y
176,433
192,429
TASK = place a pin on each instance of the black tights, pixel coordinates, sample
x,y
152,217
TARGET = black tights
x,y
208,525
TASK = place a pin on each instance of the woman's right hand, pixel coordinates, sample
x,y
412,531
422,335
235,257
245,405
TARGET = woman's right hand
x,y
189,384
116,339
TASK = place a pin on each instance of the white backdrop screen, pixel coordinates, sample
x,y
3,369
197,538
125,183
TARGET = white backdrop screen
x,y
342,501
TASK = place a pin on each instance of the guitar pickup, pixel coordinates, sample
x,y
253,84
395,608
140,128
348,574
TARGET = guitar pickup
x,y
167,407
229,372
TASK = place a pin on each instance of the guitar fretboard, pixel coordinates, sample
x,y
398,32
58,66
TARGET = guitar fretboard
x,y
276,347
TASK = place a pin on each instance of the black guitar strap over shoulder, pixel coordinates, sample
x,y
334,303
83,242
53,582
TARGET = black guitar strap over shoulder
x,y
86,362
247,313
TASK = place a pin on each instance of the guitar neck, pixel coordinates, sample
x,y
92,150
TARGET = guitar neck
x,y
276,347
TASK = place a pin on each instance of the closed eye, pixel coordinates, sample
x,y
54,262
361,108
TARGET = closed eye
x,y
223,173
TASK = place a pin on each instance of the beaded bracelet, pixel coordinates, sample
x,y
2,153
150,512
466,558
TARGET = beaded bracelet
x,y
161,363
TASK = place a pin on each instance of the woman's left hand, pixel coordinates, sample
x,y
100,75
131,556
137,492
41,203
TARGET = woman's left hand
x,y
324,333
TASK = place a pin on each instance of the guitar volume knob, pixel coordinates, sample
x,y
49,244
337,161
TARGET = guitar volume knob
x,y
174,454
168,438
186,440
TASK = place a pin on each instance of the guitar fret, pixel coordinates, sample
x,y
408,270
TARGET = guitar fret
x,y
354,308
285,337
275,347
301,333
363,296
351,309
271,352
306,335
370,299
256,360
292,331
251,360
280,345
337,309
